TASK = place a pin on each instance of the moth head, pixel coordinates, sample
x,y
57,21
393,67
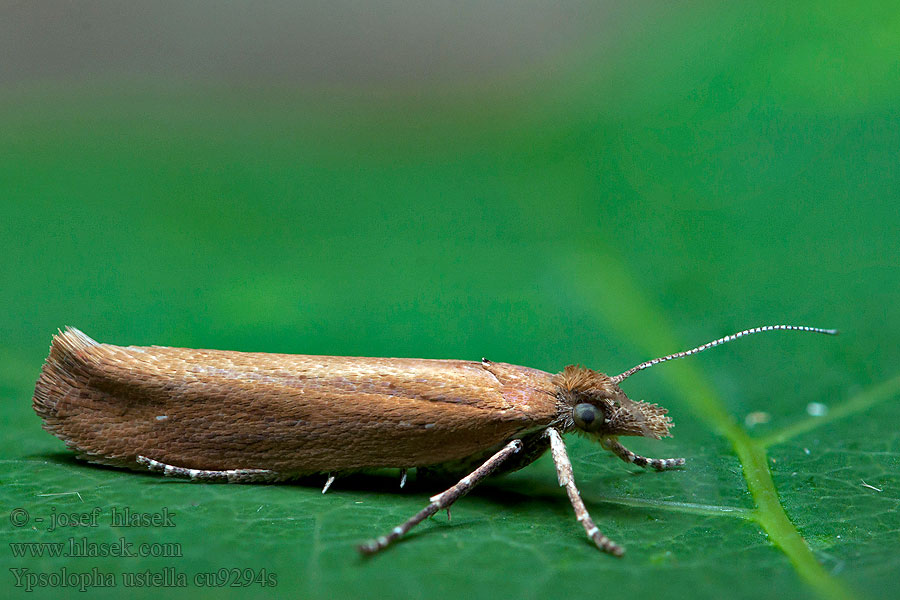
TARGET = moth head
x,y
597,406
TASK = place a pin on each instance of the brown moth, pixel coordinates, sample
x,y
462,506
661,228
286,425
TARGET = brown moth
x,y
256,417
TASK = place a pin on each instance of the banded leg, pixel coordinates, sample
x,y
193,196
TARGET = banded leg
x,y
567,480
231,476
660,464
444,499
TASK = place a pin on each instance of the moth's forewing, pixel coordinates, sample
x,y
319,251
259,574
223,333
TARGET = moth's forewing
x,y
217,410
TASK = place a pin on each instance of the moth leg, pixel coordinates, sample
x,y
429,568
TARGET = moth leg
x,y
444,499
660,464
231,476
567,480
331,478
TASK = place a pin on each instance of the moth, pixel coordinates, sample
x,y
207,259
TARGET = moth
x,y
216,415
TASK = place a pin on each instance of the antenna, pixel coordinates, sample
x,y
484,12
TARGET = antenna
x,y
620,378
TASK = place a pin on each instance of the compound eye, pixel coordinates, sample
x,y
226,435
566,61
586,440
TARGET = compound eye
x,y
587,416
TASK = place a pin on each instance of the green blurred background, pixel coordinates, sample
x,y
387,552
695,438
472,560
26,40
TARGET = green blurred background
x,y
584,182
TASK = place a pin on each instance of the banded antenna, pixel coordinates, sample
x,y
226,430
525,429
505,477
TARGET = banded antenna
x,y
622,377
